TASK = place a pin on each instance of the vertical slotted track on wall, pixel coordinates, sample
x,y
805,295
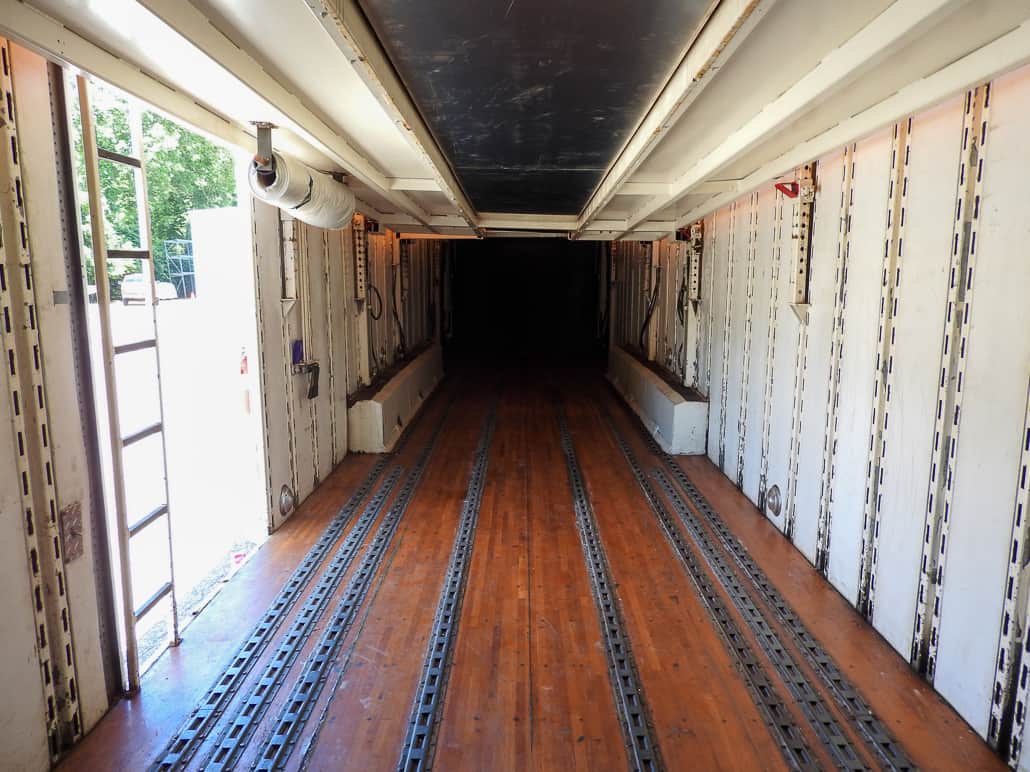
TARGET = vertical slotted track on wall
x,y
770,349
427,710
263,375
724,392
801,278
290,235
745,365
836,352
1012,669
883,375
708,302
693,334
360,355
962,273
326,276
630,701
37,485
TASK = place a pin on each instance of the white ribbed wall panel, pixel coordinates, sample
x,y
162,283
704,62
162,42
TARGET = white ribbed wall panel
x,y
993,410
819,422
860,312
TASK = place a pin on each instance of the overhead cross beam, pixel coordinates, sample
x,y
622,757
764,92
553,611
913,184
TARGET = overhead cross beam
x,y
351,32
727,26
1007,52
189,22
887,33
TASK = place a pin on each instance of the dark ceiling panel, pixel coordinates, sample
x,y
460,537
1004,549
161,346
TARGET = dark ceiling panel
x,y
531,99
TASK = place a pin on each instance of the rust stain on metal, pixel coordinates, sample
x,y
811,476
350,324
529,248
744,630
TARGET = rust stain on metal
x,y
71,531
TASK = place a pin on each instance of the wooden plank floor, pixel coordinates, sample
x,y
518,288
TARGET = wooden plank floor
x,y
528,684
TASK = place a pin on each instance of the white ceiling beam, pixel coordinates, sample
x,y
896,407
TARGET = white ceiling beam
x,y
433,221
524,234
606,225
1007,52
410,183
887,33
643,189
659,188
620,225
439,237
346,24
716,186
725,29
189,22
34,29
554,222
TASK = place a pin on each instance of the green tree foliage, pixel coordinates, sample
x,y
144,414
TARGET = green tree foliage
x,y
185,171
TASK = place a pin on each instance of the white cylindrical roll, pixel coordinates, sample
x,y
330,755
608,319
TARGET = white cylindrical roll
x,y
308,195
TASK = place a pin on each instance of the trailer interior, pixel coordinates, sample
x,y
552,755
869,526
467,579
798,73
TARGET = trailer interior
x,y
514,385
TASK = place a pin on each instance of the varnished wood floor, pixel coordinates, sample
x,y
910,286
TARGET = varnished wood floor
x,y
529,683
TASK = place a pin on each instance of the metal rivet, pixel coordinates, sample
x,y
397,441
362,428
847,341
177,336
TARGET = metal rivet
x,y
287,500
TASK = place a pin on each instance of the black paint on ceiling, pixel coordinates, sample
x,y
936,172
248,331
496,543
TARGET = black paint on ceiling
x,y
531,99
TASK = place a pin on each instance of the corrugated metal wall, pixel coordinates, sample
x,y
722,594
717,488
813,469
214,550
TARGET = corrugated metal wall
x,y
632,286
352,340
402,296
895,419
79,567
671,338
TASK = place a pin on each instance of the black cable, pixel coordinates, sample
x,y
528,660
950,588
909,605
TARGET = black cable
x,y
650,307
373,317
396,317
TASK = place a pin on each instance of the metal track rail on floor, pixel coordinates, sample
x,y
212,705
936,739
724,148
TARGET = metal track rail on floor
x,y
420,742
308,686
764,693
630,700
236,736
870,727
808,698
184,744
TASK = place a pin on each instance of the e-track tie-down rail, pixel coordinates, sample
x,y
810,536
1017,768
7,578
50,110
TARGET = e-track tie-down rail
x,y
236,736
420,742
872,730
870,727
301,702
191,735
807,697
630,700
764,693
185,743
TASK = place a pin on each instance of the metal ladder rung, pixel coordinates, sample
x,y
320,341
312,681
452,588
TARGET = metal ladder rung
x,y
93,155
146,520
128,254
142,434
139,345
153,600
119,158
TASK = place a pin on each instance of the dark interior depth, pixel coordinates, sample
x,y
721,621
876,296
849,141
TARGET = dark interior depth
x,y
526,297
